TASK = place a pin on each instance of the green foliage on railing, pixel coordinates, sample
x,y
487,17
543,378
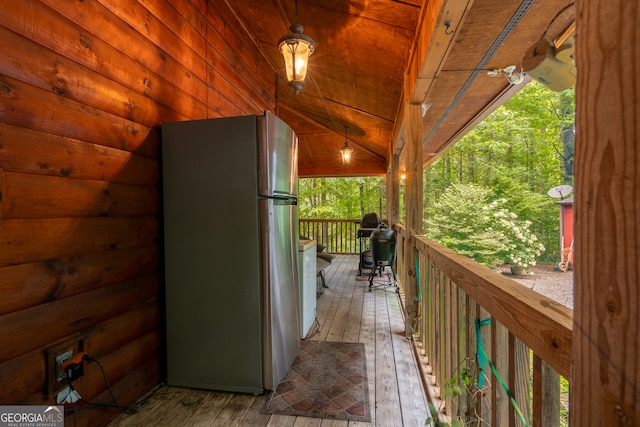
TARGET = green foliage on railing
x,y
463,383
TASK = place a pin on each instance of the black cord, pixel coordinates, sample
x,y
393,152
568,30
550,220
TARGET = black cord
x,y
106,381
133,409
115,403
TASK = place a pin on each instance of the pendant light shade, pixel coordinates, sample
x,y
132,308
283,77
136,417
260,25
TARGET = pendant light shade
x,y
296,49
346,151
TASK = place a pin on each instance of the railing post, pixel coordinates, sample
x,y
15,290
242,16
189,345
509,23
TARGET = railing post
x,y
605,371
393,190
413,142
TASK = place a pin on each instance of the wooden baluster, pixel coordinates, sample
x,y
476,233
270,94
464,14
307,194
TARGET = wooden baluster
x,y
333,233
430,313
454,348
325,235
316,234
487,397
474,398
425,269
500,358
519,366
447,352
462,322
546,394
438,329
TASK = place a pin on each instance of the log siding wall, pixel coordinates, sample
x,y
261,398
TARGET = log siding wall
x,y
84,88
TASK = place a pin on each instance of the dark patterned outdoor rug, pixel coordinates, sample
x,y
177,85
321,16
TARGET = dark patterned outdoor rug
x,y
326,380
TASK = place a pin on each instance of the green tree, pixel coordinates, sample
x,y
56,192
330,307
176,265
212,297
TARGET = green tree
x,y
467,221
458,222
341,197
522,150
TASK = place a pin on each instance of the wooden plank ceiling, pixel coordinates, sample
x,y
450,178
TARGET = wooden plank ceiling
x,y
364,50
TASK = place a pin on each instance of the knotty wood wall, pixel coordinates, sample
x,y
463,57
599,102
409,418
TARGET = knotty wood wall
x,y
84,88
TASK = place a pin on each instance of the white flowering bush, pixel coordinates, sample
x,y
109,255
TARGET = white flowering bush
x,y
459,223
464,220
519,246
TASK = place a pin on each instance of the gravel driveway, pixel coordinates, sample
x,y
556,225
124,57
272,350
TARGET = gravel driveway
x,y
543,279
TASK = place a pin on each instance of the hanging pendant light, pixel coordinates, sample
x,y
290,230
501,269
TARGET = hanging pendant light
x,y
346,151
296,49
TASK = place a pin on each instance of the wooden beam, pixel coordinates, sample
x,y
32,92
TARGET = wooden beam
x,y
324,169
435,37
605,377
443,18
413,210
419,51
393,190
1,191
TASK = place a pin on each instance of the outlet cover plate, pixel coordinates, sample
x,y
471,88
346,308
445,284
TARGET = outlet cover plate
x,y
54,355
59,359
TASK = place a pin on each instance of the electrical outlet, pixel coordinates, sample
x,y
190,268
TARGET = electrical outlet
x,y
60,374
54,356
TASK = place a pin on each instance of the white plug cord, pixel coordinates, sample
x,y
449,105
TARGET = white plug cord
x,y
68,395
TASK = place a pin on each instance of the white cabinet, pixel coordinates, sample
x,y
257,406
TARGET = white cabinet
x,y
307,271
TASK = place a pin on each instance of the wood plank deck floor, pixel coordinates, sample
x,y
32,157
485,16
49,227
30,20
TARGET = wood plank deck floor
x,y
346,312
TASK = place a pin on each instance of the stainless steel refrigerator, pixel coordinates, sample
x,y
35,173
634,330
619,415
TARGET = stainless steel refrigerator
x,y
230,251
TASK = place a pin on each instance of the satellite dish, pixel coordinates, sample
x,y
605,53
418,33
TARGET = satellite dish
x,y
560,192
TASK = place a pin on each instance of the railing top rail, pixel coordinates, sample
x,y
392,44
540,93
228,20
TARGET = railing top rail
x,y
399,227
330,220
542,324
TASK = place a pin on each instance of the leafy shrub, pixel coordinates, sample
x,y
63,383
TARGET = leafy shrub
x,y
520,247
466,221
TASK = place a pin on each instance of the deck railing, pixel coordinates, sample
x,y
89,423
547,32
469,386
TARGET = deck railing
x,y
337,235
492,351
508,374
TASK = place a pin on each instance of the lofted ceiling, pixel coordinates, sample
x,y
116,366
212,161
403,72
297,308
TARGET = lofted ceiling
x,y
367,49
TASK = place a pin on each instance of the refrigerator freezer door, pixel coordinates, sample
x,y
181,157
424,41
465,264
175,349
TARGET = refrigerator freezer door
x,y
278,158
278,222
